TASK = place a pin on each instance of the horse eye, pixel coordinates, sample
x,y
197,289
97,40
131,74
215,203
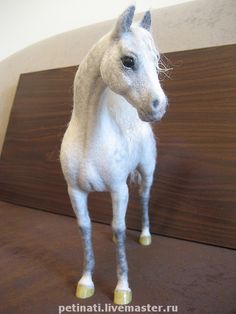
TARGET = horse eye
x,y
128,62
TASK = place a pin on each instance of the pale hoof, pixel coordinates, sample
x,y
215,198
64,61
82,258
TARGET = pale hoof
x,y
145,240
114,238
84,292
122,297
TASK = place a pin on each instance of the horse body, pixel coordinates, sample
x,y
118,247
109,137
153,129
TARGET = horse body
x,y
114,146
116,92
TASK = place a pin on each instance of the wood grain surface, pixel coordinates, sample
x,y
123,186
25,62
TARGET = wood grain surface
x,y
41,260
194,191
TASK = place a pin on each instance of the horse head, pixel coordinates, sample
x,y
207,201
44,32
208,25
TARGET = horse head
x,y
130,66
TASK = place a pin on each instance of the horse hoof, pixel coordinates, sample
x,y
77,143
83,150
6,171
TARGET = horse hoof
x,y
84,292
114,238
145,240
122,297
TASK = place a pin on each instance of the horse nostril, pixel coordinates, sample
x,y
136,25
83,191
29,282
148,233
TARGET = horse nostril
x,y
155,104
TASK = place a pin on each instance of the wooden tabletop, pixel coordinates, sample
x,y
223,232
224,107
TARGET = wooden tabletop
x,y
41,261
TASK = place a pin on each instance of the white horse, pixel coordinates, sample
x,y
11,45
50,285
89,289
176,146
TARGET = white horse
x,y
116,93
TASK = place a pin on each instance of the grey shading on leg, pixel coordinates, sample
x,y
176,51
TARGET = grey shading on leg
x,y
86,235
122,293
122,266
85,287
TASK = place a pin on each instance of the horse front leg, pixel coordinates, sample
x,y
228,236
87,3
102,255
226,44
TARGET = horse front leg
x,y
122,293
85,287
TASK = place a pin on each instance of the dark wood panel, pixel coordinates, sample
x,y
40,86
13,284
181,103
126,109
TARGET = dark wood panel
x,y
194,192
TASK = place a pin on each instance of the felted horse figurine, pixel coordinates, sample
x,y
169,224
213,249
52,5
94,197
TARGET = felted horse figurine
x,y
116,93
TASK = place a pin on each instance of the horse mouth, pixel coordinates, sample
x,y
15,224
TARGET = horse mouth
x,y
147,117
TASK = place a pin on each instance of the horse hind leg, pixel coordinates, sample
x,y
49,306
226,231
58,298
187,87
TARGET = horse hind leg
x,y
85,287
144,192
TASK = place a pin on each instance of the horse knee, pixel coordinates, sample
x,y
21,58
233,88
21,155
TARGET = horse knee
x,y
118,226
84,223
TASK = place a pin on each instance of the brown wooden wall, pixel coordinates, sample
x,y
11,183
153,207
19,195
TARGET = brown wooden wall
x,y
194,192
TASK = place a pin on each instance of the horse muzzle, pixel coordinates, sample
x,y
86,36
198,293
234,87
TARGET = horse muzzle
x,y
152,115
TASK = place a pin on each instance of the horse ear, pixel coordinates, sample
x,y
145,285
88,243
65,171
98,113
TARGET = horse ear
x,y
146,21
124,22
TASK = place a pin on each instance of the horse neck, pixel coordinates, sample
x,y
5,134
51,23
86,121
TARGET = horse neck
x,y
88,84
91,103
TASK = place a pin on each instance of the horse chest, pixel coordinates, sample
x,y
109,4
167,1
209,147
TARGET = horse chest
x,y
107,161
